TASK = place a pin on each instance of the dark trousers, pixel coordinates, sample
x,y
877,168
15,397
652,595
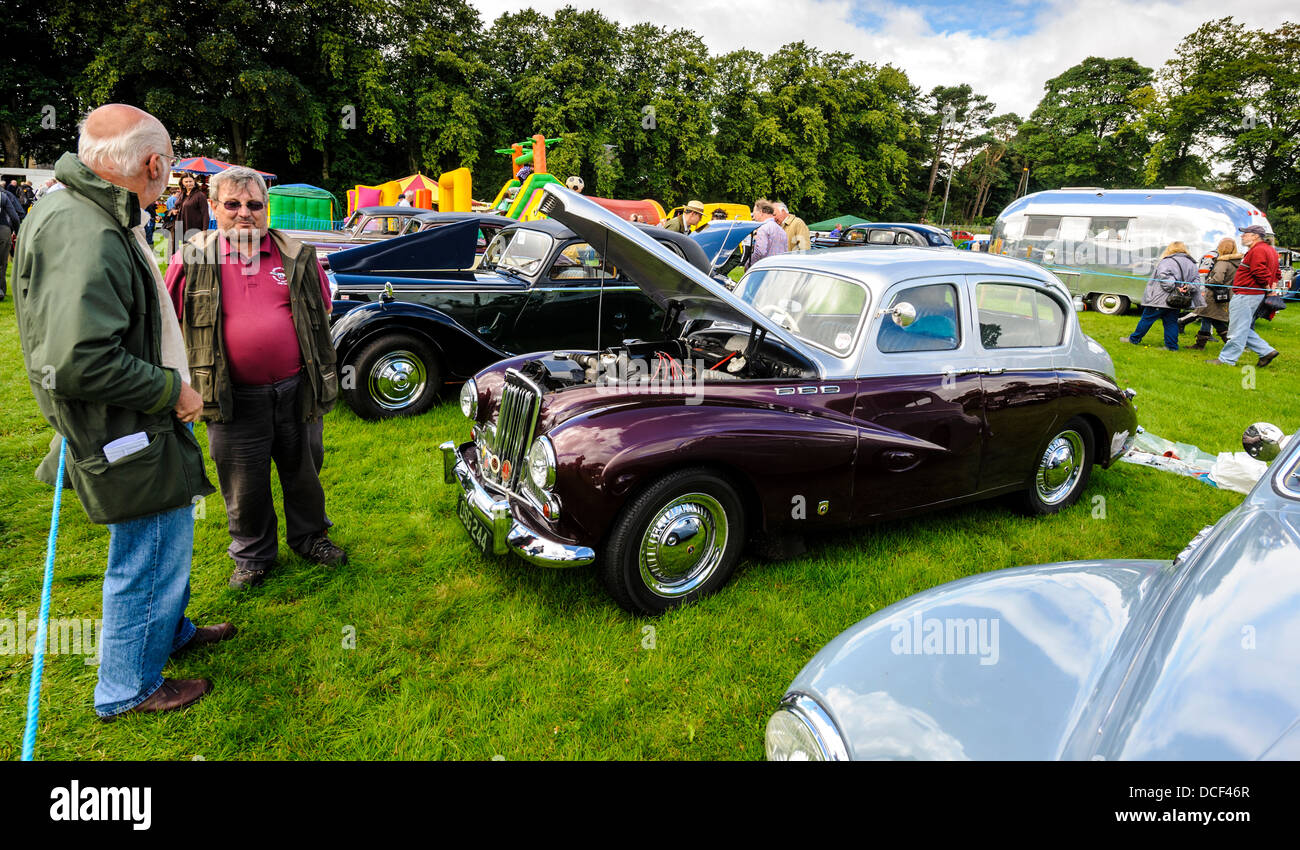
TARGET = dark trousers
x,y
1167,315
266,428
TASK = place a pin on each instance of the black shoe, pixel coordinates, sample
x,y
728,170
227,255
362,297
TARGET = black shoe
x,y
1267,359
323,551
245,577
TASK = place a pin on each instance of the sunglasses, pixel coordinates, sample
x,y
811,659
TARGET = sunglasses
x,y
253,206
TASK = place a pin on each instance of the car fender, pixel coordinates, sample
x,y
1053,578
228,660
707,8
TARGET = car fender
x,y
463,353
1004,665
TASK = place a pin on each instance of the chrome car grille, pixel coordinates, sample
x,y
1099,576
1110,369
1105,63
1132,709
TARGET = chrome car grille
x,y
507,439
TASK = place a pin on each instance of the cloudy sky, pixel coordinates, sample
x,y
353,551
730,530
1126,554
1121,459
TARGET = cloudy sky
x,y
1005,49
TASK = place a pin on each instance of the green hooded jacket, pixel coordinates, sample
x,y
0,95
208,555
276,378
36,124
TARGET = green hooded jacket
x,y
88,316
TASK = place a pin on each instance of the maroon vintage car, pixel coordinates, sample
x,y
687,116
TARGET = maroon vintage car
x,y
829,389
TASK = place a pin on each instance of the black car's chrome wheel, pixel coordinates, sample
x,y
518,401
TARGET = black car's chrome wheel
x,y
1110,304
396,379
395,375
677,541
1062,469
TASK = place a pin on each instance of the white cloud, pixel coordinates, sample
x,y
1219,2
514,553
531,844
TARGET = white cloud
x,y
1009,68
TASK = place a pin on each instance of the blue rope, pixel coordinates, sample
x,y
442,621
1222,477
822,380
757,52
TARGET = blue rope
x,y
38,658
1286,295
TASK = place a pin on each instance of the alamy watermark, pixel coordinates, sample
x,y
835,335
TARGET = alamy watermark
x,y
918,635
64,636
641,376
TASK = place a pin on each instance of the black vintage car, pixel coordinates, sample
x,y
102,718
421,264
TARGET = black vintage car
x,y
422,310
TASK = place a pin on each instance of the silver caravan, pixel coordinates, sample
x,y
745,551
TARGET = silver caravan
x,y
1104,243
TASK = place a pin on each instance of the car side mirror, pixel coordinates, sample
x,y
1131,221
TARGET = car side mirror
x,y
902,313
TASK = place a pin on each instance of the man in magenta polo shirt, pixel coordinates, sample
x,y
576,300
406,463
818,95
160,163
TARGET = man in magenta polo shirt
x,y
254,308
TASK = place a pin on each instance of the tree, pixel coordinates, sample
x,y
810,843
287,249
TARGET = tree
x,y
38,110
985,167
1235,93
1086,129
957,116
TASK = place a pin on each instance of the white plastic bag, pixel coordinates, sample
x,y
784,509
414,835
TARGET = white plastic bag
x,y
1237,471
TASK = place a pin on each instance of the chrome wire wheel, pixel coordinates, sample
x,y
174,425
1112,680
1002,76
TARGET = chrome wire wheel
x,y
683,545
1060,468
397,379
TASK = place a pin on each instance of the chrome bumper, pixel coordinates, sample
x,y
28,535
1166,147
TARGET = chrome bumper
x,y
508,534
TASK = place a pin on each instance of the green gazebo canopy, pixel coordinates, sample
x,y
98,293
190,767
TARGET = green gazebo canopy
x,y
839,221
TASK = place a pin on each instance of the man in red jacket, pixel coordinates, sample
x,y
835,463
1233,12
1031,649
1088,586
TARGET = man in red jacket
x,y
1255,276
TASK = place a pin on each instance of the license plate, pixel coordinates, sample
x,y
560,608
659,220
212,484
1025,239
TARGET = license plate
x,y
479,532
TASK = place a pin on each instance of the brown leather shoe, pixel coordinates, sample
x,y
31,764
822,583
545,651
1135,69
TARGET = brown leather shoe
x,y
1267,359
174,694
207,635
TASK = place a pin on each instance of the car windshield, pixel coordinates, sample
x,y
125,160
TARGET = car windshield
x,y
519,251
823,310
353,222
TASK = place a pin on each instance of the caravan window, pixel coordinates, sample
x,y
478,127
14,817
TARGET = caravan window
x,y
1040,226
1074,228
1109,229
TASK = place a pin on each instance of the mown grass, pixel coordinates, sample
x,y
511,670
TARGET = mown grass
x,y
460,657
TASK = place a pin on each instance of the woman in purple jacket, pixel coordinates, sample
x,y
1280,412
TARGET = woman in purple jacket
x,y
1176,272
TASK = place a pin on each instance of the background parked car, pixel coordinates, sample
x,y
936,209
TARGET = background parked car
x,y
537,286
367,224
833,388
1193,659
889,233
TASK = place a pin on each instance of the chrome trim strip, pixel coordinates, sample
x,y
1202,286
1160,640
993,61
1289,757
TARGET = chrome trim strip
x,y
1286,479
823,729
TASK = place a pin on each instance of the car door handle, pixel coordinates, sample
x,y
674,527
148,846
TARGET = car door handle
x,y
899,460
991,371
960,372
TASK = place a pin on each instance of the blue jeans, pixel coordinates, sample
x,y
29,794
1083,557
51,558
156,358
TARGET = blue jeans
x,y
146,589
1167,315
1241,329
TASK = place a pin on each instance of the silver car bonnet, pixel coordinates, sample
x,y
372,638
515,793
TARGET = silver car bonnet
x,y
1193,659
662,275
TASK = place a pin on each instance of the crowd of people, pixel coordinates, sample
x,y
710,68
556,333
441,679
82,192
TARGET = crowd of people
x,y
1228,303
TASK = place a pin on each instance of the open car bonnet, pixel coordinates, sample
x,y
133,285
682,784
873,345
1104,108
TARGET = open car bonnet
x,y
450,247
720,238
658,272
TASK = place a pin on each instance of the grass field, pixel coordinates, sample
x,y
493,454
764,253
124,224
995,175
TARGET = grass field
x,y
421,649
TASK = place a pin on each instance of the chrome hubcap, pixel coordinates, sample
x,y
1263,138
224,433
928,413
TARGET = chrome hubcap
x,y
683,545
1108,303
397,379
1060,468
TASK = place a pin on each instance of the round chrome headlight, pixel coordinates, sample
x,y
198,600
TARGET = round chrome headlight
x,y
541,463
801,730
469,399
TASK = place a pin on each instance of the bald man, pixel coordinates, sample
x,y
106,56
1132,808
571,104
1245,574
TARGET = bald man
x,y
107,365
